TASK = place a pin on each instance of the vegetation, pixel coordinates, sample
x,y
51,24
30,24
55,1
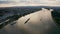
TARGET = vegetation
x,y
56,18
14,14
22,11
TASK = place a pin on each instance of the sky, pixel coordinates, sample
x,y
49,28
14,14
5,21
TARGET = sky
x,y
29,3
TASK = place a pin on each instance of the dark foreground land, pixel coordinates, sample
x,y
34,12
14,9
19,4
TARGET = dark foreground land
x,y
11,14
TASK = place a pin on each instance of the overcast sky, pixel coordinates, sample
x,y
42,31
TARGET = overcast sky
x,y
29,2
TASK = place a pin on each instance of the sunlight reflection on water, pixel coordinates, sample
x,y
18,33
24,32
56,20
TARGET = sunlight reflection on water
x,y
40,22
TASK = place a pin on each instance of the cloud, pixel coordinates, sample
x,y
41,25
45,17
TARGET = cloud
x,y
31,2
6,2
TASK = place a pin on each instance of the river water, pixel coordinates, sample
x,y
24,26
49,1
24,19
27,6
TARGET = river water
x,y
40,22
